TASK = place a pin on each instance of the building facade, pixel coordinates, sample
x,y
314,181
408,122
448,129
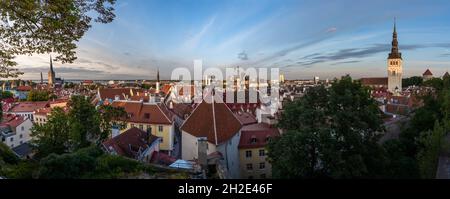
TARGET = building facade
x,y
149,117
15,130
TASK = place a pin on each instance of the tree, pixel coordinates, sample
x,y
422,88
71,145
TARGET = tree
x,y
6,95
428,157
36,95
330,133
53,136
111,116
84,122
399,162
412,81
30,26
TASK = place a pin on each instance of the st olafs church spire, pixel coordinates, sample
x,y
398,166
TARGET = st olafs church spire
x,y
395,65
395,54
157,81
51,74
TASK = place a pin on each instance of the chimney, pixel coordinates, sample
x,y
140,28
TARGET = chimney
x,y
202,152
170,105
114,131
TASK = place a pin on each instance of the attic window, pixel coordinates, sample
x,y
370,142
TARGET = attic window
x,y
268,138
147,115
253,140
130,114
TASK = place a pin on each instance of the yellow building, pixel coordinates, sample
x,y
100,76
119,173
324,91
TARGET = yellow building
x,y
149,117
253,162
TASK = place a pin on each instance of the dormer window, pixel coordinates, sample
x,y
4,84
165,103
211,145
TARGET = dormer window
x,y
147,115
253,140
268,139
130,115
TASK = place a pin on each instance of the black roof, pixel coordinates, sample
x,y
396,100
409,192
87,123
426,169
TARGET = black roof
x,y
22,150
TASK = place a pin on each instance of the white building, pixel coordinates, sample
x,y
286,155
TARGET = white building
x,y
217,123
15,130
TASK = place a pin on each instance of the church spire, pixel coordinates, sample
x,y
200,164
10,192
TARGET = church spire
x,y
51,64
395,54
157,75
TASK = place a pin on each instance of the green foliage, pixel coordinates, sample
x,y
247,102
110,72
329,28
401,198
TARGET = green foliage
x,y
400,164
69,85
53,136
145,86
6,95
422,137
36,95
428,157
436,83
31,26
7,156
88,162
412,81
84,121
330,133
109,116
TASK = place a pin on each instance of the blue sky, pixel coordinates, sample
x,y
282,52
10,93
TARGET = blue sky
x,y
307,38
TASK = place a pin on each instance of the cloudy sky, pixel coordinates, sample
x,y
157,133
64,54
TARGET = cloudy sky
x,y
304,38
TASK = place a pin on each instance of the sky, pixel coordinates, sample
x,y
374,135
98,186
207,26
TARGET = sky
x,y
304,38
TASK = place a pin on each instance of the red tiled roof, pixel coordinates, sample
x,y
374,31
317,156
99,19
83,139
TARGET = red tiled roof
x,y
166,88
130,142
374,81
12,120
259,133
111,93
245,117
88,81
215,121
181,109
446,74
28,106
143,112
162,158
24,88
43,111
427,72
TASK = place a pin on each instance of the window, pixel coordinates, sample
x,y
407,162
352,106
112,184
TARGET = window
x,y
262,165
141,126
21,142
262,152
263,176
20,136
160,128
11,139
147,115
132,125
248,154
253,140
22,128
249,166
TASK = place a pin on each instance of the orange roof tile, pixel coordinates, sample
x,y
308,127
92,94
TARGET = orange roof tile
x,y
215,121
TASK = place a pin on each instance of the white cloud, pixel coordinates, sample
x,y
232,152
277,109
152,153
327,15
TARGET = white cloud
x,y
193,42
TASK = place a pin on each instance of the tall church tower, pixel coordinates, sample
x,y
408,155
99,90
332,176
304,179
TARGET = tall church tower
x,y
157,81
395,65
51,74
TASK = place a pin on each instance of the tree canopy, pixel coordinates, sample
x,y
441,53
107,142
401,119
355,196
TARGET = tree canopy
x,y
329,133
30,26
